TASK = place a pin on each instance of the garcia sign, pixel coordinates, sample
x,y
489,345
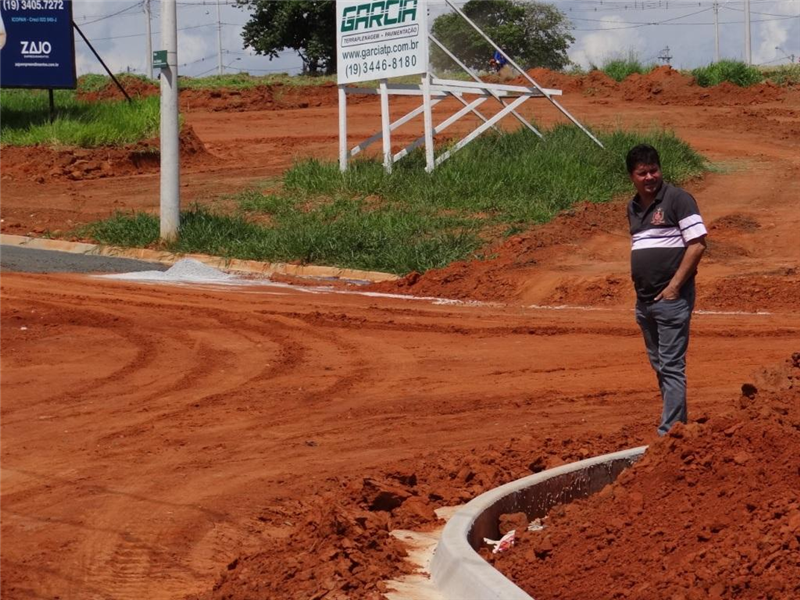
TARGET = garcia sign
x,y
39,49
380,39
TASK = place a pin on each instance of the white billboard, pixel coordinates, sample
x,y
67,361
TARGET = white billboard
x,y
380,39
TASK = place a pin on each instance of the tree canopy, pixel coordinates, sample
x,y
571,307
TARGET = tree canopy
x,y
307,26
532,33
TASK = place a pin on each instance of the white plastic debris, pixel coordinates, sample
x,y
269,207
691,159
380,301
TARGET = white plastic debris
x,y
504,543
536,525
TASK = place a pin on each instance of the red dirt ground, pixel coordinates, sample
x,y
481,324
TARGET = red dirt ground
x,y
711,511
163,442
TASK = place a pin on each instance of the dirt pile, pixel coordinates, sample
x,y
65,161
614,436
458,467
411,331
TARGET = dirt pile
x,y
663,85
711,511
135,87
497,278
41,163
595,83
778,290
337,545
262,97
668,86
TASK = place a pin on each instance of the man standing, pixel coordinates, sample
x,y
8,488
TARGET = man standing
x,y
668,238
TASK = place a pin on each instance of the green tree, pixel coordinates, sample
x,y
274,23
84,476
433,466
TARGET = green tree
x,y
532,33
307,26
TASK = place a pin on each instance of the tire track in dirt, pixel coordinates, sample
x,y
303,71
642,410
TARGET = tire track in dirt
x,y
86,318
125,567
340,384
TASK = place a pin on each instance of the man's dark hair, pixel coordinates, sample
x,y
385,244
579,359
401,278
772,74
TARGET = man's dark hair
x,y
643,154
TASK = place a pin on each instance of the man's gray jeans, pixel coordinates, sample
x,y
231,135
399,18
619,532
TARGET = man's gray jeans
x,y
665,327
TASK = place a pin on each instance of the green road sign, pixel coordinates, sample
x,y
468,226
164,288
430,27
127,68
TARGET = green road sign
x,y
160,59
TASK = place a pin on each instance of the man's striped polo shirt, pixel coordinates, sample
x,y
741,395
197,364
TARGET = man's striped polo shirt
x,y
659,235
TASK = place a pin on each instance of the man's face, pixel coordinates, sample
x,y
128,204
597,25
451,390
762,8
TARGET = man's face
x,y
646,179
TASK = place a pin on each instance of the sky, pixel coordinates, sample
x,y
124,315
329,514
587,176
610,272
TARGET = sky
x,y
603,30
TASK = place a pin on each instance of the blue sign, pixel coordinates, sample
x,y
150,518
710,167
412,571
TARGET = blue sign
x,y
39,48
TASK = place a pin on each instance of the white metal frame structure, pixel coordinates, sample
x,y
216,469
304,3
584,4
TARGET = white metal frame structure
x,y
471,94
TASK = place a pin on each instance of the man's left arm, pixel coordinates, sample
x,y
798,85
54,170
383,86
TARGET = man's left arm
x,y
691,258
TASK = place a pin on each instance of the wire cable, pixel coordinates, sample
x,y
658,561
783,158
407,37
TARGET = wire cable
x,y
114,14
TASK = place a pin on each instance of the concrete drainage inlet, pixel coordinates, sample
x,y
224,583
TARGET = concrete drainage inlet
x,y
458,570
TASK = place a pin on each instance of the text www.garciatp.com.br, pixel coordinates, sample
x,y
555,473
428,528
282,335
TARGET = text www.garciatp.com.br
x,y
384,50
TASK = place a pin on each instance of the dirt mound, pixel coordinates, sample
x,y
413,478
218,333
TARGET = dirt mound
x,y
340,547
663,85
668,86
599,291
499,278
776,291
262,97
785,376
711,511
41,164
596,83
735,222
550,79
135,87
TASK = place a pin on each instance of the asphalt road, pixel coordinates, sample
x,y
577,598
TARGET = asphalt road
x,y
29,260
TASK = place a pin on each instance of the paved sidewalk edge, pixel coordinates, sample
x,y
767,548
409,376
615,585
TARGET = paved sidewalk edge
x,y
168,258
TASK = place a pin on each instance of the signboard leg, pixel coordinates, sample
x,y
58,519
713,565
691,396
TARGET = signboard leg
x,y
342,129
52,111
386,127
428,119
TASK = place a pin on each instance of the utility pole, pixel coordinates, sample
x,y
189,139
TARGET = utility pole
x,y
149,48
748,56
170,149
665,56
219,40
716,31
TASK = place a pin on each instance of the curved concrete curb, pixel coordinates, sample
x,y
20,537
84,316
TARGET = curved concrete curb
x,y
168,258
458,570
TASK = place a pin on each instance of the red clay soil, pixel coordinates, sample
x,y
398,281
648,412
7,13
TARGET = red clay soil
x,y
341,547
663,85
41,164
493,279
164,441
262,97
711,511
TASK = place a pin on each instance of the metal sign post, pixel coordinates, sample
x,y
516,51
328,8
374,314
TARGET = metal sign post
x,y
383,39
170,206
380,40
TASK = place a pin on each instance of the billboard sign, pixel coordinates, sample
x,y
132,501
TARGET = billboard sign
x,y
39,49
380,39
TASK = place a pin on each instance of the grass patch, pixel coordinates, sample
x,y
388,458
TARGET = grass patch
x,y
24,120
246,81
410,220
783,74
620,67
733,71
94,82
344,235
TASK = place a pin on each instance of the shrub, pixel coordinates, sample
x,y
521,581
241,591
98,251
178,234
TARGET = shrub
x,y
620,67
734,71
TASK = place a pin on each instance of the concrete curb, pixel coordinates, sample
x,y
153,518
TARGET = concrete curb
x,y
458,570
168,258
